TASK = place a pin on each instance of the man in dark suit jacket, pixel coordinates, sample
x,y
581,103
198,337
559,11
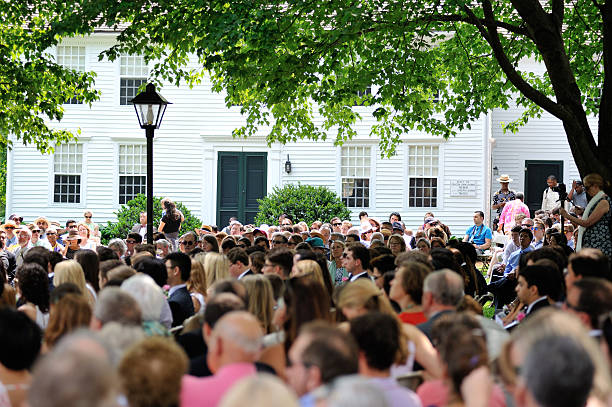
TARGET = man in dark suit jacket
x,y
442,291
533,286
239,263
178,266
356,261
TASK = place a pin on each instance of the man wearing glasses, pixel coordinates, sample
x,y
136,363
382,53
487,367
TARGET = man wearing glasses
x,y
132,240
51,234
70,225
279,240
188,242
336,225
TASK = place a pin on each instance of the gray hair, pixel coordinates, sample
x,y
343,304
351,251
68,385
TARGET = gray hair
x,y
147,294
116,305
119,338
163,242
118,244
558,372
446,286
74,373
356,391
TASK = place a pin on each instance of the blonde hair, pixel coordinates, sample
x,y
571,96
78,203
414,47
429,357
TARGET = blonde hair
x,y
309,268
86,227
259,390
70,313
216,268
197,278
364,293
261,299
70,271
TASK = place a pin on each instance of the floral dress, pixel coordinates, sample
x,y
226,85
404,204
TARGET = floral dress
x,y
338,274
598,235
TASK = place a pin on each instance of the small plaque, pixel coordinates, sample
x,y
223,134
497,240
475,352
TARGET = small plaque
x,y
463,188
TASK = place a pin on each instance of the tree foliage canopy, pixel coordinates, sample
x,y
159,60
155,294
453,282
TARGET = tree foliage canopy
x,y
283,61
33,87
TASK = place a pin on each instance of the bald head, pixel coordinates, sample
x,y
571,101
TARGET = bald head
x,y
240,329
236,338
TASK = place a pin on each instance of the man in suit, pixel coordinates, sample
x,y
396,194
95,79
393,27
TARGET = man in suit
x,y
239,263
178,266
141,228
442,291
356,261
533,288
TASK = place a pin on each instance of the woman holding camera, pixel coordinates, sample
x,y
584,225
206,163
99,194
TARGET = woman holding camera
x,y
594,225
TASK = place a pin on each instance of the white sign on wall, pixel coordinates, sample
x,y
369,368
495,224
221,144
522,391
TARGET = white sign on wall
x,y
463,188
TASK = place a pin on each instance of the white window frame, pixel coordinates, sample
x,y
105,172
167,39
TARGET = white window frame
x,y
83,189
128,70
79,68
372,176
440,180
143,165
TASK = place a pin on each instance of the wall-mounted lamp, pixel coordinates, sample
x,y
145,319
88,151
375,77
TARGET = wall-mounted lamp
x,y
288,165
495,171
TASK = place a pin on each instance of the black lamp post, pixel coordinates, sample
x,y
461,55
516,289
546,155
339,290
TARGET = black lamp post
x,y
150,107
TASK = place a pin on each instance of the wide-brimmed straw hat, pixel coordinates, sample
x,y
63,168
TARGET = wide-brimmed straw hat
x,y
504,178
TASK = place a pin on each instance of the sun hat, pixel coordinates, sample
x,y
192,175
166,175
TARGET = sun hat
x,y
504,178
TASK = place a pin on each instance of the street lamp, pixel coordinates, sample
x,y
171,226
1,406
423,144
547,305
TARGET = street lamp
x,y
150,107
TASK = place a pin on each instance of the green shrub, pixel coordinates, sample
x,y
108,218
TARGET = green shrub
x,y
303,202
129,215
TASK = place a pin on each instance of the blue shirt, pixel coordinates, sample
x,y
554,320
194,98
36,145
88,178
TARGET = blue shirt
x,y
478,234
514,259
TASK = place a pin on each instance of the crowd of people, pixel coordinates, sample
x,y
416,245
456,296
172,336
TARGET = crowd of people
x,y
326,314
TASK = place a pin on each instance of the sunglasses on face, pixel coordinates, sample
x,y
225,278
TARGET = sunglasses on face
x,y
187,242
336,224
36,231
88,217
51,233
130,241
72,226
10,227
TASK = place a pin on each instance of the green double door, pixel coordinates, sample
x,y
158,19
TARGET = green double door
x,y
241,181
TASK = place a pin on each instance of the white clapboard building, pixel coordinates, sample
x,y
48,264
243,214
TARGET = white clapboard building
x,y
197,162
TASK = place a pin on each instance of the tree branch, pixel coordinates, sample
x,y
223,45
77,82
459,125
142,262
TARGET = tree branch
x,y
558,8
468,19
605,107
491,36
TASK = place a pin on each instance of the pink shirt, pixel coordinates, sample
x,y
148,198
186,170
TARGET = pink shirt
x,y
511,209
434,393
208,391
